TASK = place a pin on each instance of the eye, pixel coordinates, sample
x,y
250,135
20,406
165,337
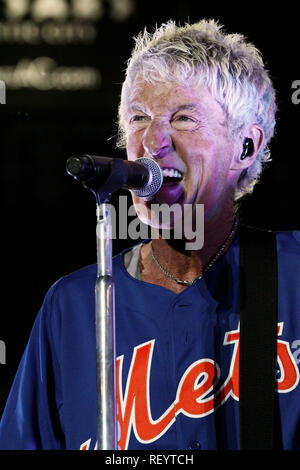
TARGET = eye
x,y
138,120
184,122
137,117
184,118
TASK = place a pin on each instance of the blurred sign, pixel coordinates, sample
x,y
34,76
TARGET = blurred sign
x,y
65,52
43,73
59,21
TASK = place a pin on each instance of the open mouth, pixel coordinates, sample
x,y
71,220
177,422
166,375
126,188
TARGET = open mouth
x,y
171,176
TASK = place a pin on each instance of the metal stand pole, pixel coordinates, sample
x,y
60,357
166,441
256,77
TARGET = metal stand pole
x,y
110,176
102,186
105,333
113,176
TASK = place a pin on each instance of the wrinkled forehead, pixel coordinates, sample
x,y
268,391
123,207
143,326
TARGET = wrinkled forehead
x,y
144,84
143,89
170,95
174,77
170,75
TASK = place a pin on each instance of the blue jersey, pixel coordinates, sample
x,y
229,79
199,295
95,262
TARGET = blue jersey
x,y
177,362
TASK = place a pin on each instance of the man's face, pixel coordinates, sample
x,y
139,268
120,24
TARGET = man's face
x,y
184,129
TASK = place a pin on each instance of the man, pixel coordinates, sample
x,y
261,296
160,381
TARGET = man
x,y
200,103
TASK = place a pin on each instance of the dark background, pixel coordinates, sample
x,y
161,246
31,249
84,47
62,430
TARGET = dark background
x,y
48,220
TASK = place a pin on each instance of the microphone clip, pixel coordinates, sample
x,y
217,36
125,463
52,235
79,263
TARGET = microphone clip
x,y
101,185
114,181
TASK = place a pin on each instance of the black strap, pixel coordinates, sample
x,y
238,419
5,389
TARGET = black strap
x,y
258,337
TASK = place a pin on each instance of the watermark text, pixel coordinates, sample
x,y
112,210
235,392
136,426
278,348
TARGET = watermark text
x,y
296,93
2,92
2,352
159,220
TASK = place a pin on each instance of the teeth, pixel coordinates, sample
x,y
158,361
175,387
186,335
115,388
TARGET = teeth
x,y
172,173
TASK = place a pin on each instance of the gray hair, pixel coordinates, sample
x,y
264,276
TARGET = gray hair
x,y
231,68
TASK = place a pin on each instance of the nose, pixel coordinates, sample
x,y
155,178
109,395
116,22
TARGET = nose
x,y
157,140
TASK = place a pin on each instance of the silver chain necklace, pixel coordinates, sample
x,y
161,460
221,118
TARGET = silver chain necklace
x,y
211,263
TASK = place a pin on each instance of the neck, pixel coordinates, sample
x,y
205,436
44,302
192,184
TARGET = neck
x,y
188,264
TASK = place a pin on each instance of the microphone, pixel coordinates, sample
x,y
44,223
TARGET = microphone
x,y
143,177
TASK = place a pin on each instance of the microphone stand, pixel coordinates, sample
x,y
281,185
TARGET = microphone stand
x,y
105,308
105,332
102,187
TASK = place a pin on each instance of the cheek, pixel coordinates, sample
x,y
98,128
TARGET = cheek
x,y
208,165
134,146
131,154
217,171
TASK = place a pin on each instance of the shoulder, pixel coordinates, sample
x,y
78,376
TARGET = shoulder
x,y
288,242
288,255
77,279
82,280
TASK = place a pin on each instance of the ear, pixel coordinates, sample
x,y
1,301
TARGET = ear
x,y
256,134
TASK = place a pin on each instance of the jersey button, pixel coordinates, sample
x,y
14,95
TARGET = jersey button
x,y
195,445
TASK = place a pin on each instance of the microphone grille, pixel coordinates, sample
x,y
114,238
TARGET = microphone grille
x,y
155,178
